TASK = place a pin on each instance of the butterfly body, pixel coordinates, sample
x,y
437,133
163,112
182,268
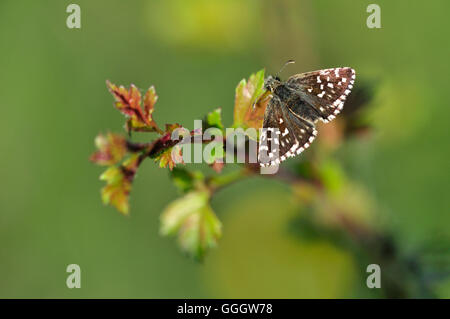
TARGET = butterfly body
x,y
296,105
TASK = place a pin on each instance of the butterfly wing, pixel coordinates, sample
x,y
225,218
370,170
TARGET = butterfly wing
x,y
304,132
284,135
269,150
324,90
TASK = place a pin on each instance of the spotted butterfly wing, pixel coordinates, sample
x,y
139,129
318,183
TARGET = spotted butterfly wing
x,y
324,90
288,127
284,134
273,124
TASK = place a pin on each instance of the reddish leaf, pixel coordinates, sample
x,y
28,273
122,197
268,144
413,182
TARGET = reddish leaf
x,y
255,115
170,157
247,112
129,103
111,149
217,166
150,99
172,127
171,154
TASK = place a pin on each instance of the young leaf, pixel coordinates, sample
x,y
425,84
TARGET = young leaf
x,y
214,119
172,127
111,149
215,149
171,154
255,115
170,157
186,180
129,103
192,218
118,183
247,112
150,99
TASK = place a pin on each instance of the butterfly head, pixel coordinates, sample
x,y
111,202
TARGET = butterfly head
x,y
271,83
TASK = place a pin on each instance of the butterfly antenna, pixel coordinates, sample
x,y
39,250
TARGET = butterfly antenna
x,y
282,68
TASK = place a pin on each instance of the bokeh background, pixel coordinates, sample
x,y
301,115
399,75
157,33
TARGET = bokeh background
x,y
54,102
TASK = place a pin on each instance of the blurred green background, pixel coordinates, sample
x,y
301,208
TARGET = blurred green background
x,y
54,102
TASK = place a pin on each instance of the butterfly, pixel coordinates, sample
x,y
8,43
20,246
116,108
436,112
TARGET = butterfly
x,y
295,107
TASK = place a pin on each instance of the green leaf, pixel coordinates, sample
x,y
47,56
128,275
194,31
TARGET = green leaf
x,y
247,111
186,180
214,157
214,119
192,219
118,184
